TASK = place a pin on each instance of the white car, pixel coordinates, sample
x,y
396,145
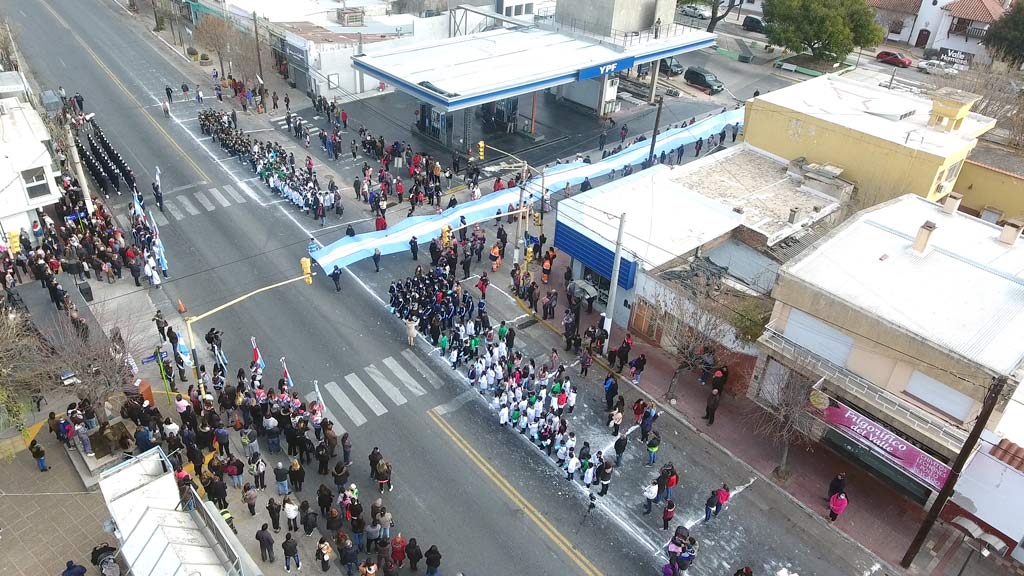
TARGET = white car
x,y
694,11
937,67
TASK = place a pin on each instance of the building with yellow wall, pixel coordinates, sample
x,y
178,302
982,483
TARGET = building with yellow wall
x,y
992,182
888,143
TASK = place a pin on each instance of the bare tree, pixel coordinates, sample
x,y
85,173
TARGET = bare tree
x,y
1000,97
698,326
24,363
8,48
786,397
216,35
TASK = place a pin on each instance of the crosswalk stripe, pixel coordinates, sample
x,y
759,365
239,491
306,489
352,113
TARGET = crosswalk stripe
x,y
219,197
326,412
390,389
346,404
404,376
161,220
365,394
234,195
419,365
204,201
173,209
246,190
189,206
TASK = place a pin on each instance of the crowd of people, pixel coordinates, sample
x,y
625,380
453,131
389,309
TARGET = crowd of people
x,y
206,434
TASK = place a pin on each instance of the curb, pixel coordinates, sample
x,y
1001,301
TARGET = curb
x,y
682,419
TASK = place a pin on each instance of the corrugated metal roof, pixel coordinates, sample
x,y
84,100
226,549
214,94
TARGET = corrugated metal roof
x,y
987,11
901,6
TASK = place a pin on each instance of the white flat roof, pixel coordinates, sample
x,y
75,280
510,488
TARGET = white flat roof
x,y
965,293
663,219
744,177
483,67
876,111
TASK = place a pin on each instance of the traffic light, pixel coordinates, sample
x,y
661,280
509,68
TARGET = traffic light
x,y
307,265
480,146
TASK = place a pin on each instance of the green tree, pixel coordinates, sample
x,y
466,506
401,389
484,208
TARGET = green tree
x,y
1005,37
828,28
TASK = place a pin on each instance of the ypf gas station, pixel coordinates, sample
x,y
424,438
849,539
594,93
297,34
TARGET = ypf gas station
x,y
483,75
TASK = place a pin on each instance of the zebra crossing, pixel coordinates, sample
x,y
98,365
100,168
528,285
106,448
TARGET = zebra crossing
x,y
374,390
184,205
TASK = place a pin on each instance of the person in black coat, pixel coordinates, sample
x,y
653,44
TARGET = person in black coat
x,y
837,485
218,492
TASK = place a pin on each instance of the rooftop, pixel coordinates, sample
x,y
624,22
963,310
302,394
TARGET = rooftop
x,y
897,117
987,11
965,293
901,6
1006,159
319,34
745,178
159,538
664,220
460,72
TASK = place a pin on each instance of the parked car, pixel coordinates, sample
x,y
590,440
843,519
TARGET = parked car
x,y
701,78
693,11
937,67
668,66
753,24
894,58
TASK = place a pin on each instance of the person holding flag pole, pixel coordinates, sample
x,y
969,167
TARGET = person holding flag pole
x,y
286,378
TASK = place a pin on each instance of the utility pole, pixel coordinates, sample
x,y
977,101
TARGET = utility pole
x,y
987,406
519,223
76,163
156,16
259,59
609,311
654,135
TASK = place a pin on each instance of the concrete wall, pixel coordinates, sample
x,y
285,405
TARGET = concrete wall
x,y
885,18
603,16
882,170
890,356
983,186
942,39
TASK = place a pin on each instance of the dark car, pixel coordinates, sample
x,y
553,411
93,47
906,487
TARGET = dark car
x,y
701,78
894,58
753,24
668,66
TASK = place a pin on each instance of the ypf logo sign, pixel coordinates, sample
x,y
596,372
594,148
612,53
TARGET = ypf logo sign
x,y
605,69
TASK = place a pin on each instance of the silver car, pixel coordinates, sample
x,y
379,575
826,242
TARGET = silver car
x,y
694,11
937,67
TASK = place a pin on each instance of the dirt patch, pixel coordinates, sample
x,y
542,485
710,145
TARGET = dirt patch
x,y
811,62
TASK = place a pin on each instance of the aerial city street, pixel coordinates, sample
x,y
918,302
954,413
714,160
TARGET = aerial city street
x,y
617,287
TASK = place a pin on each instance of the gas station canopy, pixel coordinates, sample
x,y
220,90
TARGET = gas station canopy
x,y
465,71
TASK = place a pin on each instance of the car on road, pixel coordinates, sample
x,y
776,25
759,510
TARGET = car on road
x,y
937,67
893,58
701,78
694,11
753,24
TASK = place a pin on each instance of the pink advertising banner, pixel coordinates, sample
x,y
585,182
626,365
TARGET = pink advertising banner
x,y
897,450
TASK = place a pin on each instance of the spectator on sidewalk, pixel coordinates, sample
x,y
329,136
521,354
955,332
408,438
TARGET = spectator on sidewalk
x,y
837,505
712,406
668,514
281,477
650,496
291,553
611,389
837,485
653,444
620,449
73,569
266,541
39,454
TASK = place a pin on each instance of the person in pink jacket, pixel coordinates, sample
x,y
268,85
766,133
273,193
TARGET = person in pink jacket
x,y
836,505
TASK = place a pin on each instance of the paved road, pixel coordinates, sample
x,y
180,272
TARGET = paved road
x,y
238,239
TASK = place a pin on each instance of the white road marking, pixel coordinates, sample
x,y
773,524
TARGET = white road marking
x,y
389,389
247,191
404,376
189,206
161,220
185,187
173,209
364,393
205,201
346,404
219,197
419,365
455,403
234,195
